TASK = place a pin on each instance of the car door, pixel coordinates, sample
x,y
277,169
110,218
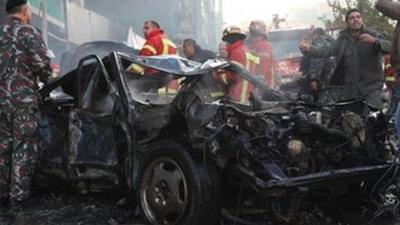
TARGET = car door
x,y
55,109
92,142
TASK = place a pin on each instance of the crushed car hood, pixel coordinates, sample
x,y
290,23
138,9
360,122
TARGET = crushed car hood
x,y
179,66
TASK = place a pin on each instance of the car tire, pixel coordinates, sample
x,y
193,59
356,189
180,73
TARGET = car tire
x,y
177,187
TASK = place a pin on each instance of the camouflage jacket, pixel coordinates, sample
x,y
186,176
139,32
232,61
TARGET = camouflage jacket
x,y
321,68
23,60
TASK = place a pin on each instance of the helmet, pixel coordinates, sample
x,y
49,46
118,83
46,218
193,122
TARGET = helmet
x,y
257,27
233,31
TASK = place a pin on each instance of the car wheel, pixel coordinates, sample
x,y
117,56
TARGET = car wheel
x,y
176,188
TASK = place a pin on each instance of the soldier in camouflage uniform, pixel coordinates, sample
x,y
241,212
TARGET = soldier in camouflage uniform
x,y
320,69
23,60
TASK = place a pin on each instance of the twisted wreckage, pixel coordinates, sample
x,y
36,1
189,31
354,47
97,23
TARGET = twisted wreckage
x,y
194,156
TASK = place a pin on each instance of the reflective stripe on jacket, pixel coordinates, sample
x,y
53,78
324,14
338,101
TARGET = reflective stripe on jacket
x,y
262,48
157,43
239,54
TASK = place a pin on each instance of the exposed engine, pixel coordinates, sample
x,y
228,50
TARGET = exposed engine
x,y
297,142
301,140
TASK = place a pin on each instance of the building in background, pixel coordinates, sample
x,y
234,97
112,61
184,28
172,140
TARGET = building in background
x,y
73,22
55,30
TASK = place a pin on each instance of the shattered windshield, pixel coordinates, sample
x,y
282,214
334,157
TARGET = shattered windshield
x,y
212,86
156,89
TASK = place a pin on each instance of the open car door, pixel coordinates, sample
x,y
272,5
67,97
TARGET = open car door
x,y
92,144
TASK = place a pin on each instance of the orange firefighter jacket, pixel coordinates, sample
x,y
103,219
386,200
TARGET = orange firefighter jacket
x,y
239,89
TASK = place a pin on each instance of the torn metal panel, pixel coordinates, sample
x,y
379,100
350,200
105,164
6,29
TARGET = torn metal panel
x,y
177,65
91,140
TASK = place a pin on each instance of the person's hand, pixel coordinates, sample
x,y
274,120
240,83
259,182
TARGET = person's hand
x,y
135,69
44,83
366,38
305,46
41,85
314,86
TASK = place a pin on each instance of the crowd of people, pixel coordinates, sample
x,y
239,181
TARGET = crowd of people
x,y
353,60
252,52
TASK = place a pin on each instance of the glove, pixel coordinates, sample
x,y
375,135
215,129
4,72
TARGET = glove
x,y
135,68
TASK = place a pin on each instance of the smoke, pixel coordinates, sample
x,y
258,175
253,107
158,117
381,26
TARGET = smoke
x,y
180,19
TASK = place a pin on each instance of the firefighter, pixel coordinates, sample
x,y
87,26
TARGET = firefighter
x,y
157,43
392,83
260,46
238,54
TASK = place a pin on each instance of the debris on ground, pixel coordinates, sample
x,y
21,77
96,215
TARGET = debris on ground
x,y
58,208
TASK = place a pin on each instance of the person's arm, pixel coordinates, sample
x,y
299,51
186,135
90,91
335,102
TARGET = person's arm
x,y
316,68
226,78
324,50
383,44
380,42
389,8
264,50
40,61
148,49
320,51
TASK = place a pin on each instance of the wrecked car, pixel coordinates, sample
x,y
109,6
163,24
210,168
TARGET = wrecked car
x,y
193,155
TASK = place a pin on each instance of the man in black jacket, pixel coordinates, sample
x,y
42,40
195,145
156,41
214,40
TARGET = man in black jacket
x,y
194,52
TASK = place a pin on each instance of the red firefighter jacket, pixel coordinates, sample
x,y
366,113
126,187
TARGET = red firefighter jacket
x,y
263,49
239,89
390,73
157,43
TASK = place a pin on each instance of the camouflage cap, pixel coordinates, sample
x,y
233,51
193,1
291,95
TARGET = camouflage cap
x,y
14,3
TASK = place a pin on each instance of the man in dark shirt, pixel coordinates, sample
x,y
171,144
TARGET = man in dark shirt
x,y
358,51
194,52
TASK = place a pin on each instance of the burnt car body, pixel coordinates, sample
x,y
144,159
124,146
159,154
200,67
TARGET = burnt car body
x,y
193,156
